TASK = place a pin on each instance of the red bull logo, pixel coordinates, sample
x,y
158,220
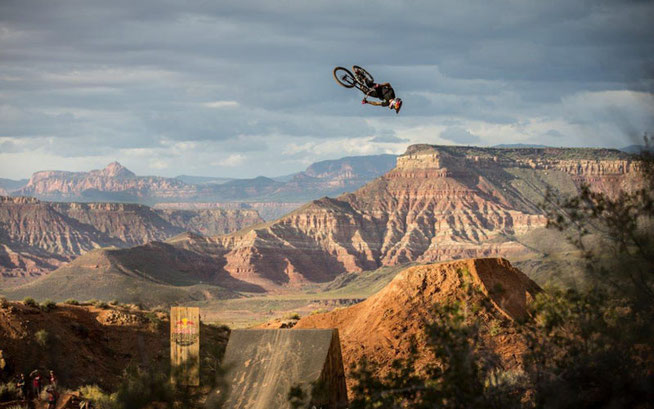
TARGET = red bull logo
x,y
185,332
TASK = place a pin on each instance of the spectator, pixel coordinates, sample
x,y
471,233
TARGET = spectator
x,y
36,384
53,380
52,397
21,385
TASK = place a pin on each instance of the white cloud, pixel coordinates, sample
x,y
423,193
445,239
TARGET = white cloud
x,y
231,161
221,104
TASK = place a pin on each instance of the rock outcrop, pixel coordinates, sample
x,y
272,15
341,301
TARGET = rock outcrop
x,y
381,327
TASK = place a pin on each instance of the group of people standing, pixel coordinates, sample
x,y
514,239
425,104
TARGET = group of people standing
x,y
38,384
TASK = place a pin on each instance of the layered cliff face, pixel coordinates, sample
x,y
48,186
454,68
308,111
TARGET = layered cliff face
x,y
438,203
39,236
267,210
95,184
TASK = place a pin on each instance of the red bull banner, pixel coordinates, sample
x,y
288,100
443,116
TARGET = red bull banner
x,y
185,345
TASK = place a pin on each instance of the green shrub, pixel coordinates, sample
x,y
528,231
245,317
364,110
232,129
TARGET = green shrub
x,y
3,302
154,320
114,302
102,304
42,337
30,302
97,396
494,328
48,305
9,392
71,301
92,301
319,311
292,316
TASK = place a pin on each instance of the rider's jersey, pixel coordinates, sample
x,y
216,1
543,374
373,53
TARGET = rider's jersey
x,y
385,93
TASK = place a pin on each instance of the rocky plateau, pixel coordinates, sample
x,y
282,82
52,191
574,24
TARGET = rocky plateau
x,y
438,203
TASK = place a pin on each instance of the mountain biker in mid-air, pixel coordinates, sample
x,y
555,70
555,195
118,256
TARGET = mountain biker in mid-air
x,y
384,92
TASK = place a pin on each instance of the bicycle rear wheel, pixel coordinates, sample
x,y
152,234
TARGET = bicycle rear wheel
x,y
344,77
363,72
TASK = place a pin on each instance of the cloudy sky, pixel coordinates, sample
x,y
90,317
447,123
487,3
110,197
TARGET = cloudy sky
x,y
244,88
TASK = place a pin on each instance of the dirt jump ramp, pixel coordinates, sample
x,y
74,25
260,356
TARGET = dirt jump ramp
x,y
263,364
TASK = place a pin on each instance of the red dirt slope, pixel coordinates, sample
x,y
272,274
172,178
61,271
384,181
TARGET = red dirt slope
x,y
380,327
86,344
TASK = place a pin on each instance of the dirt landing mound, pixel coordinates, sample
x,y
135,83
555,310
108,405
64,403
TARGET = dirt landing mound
x,y
380,327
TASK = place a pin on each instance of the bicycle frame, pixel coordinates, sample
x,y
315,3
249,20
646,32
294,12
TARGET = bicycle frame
x,y
360,84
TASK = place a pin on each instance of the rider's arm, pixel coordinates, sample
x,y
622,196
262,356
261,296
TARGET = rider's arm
x,y
375,103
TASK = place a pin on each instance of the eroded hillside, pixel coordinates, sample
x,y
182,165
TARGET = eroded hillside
x,y
37,237
438,203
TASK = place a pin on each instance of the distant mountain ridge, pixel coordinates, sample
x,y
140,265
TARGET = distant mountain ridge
x,y
438,203
115,183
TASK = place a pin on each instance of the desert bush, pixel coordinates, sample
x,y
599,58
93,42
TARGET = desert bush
x,y
9,392
154,320
3,302
318,311
71,301
30,302
92,301
292,316
97,396
42,337
140,387
48,305
114,302
101,304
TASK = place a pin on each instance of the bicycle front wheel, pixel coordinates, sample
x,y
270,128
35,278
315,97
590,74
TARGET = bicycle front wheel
x,y
344,77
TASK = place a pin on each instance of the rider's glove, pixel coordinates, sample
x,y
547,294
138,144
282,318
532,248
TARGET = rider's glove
x,y
363,101
376,85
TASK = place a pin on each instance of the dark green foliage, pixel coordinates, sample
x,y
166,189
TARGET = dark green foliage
x,y
30,302
588,350
71,301
42,337
9,392
141,387
48,305
154,320
301,398
297,397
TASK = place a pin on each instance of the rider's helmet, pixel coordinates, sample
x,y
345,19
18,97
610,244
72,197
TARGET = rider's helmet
x,y
396,104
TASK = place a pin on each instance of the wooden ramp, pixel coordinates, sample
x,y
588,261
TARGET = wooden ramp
x,y
263,364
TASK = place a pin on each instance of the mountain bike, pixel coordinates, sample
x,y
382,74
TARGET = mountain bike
x,y
359,80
